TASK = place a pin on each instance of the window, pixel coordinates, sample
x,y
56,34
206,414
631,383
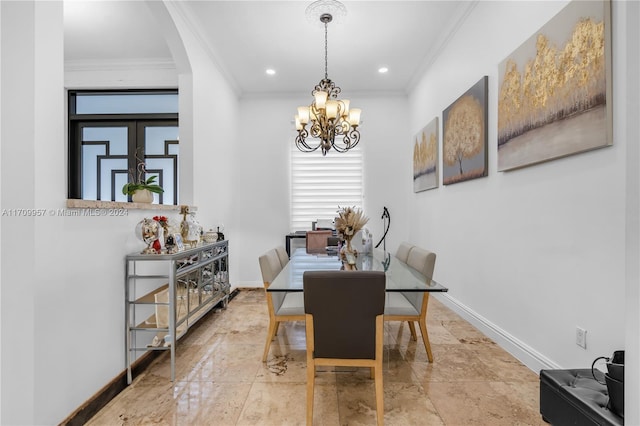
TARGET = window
x,y
319,185
112,132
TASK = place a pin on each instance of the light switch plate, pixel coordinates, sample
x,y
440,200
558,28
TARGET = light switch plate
x,y
581,337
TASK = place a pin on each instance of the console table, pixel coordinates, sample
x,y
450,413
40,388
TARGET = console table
x,y
165,294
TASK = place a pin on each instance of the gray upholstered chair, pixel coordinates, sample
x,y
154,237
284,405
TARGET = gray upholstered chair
x,y
341,332
317,241
412,306
282,306
403,251
282,255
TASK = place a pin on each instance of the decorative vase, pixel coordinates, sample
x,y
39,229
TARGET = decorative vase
x,y
148,230
142,196
210,236
190,229
348,253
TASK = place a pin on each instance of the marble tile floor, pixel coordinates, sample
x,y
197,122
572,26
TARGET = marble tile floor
x,y
220,379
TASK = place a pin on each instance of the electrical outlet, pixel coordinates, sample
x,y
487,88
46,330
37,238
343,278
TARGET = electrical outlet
x,y
581,337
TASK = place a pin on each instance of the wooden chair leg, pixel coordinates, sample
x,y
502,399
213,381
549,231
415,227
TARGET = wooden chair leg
x,y
412,328
275,333
425,338
273,325
379,395
311,376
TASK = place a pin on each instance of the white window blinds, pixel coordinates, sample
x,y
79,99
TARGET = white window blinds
x,y
319,185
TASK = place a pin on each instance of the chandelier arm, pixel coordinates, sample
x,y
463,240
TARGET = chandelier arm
x,y
349,141
340,149
306,148
342,127
354,135
301,142
302,145
317,130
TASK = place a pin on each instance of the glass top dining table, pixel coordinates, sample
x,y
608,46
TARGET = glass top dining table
x,y
400,276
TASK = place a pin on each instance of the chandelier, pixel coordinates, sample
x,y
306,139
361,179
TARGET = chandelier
x,y
327,117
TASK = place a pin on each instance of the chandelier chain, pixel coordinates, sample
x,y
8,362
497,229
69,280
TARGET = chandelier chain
x,y
326,73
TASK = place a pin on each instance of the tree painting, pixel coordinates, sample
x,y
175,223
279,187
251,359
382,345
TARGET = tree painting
x,y
425,158
553,89
464,143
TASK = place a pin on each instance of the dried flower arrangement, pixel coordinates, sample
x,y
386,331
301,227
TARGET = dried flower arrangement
x,y
349,221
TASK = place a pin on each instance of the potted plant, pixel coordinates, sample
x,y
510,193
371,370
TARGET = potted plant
x,y
141,190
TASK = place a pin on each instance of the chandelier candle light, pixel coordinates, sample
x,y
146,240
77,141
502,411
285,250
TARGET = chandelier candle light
x,y
327,116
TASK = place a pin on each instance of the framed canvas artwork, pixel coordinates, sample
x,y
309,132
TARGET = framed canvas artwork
x,y
555,89
464,136
425,157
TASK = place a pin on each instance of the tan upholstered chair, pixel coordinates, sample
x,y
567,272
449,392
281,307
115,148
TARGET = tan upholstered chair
x,y
282,255
403,251
282,306
317,241
412,306
341,332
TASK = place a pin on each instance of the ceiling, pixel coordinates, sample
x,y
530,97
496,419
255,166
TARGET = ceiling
x,y
247,37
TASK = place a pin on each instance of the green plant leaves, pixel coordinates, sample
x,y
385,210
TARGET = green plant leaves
x,y
149,184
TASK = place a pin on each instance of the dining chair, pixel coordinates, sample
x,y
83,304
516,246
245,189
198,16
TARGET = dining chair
x,y
403,251
282,255
344,325
412,306
282,306
333,241
317,241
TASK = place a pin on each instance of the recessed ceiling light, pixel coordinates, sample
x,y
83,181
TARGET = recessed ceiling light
x,y
383,70
270,71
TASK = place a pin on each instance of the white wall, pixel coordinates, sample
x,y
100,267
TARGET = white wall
x,y
630,130
17,376
261,190
210,130
387,168
532,253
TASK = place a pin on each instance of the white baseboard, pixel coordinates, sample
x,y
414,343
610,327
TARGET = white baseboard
x,y
519,349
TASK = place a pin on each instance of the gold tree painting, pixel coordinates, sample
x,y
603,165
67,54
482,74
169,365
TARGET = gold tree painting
x,y
425,157
464,141
553,98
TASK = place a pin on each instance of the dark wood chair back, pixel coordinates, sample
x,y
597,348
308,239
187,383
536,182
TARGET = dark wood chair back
x,y
344,306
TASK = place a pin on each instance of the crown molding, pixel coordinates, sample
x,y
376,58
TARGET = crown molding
x,y
463,11
297,94
119,64
195,27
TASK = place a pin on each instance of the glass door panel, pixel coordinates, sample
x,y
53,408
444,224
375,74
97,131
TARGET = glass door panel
x,y
104,162
161,156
